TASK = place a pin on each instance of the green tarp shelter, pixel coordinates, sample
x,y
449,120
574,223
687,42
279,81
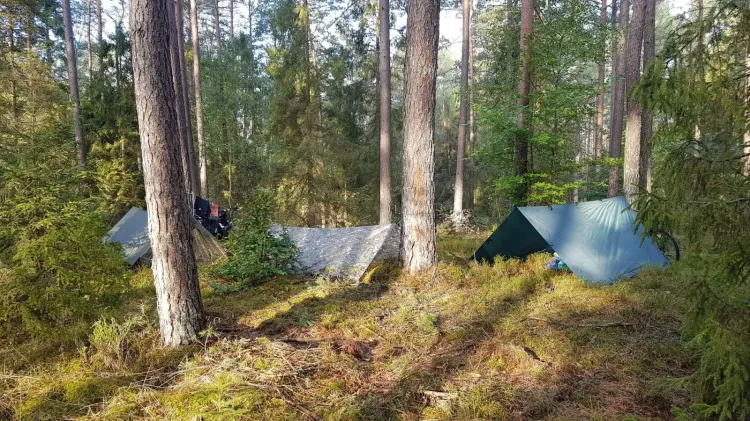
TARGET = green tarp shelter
x,y
597,240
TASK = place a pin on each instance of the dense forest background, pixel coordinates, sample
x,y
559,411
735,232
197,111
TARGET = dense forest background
x,y
286,109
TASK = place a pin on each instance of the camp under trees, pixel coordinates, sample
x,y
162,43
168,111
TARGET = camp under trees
x,y
393,211
419,242
175,273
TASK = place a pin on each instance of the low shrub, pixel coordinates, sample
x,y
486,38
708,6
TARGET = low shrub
x,y
61,279
256,253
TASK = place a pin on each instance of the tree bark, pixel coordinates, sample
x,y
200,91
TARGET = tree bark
x,y
472,127
202,163
385,111
618,99
250,11
458,191
13,85
29,32
179,106
185,97
599,134
631,175
231,19
88,40
746,137
419,234
524,89
700,47
307,101
100,33
647,121
178,296
70,50
217,27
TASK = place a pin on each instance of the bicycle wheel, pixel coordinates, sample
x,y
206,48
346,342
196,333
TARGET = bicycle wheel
x,y
667,244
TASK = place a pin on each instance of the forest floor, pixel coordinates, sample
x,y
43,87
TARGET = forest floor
x,y
512,341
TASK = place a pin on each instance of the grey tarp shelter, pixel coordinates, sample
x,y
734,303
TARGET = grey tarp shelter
x,y
343,253
132,233
598,240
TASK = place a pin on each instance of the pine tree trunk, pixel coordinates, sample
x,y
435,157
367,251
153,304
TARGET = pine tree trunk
x,y
250,10
185,97
217,27
202,163
100,33
178,296
179,105
699,60
618,99
599,134
29,33
13,85
419,234
524,89
631,176
307,101
458,190
70,50
472,128
647,121
746,137
231,19
88,40
384,82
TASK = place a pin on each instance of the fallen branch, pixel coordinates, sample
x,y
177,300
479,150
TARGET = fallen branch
x,y
440,395
597,325
463,259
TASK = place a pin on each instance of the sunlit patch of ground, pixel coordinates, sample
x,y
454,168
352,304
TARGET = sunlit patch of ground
x,y
511,341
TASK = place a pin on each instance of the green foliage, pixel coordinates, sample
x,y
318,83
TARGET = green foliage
x,y
566,43
61,278
256,254
56,275
700,194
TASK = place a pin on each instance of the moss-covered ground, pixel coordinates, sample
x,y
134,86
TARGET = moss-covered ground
x,y
512,341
